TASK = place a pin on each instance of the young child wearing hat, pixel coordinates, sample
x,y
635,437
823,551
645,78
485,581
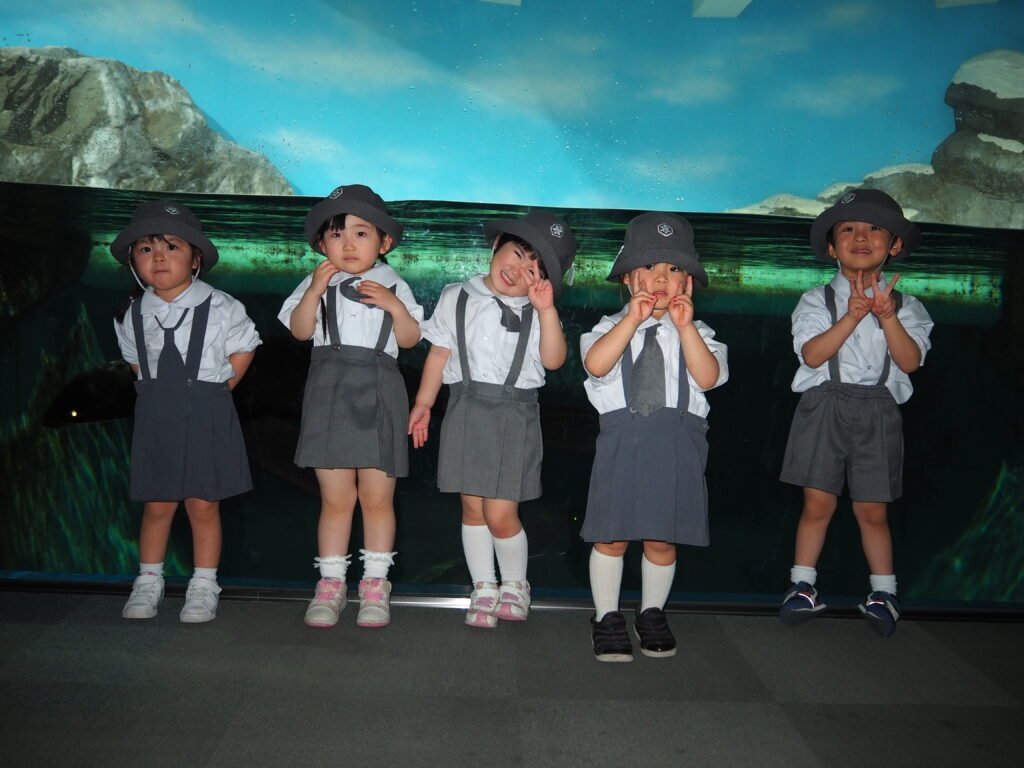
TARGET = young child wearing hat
x,y
857,339
189,344
648,367
358,312
493,337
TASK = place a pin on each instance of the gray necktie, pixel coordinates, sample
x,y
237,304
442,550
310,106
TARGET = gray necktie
x,y
648,385
349,291
510,321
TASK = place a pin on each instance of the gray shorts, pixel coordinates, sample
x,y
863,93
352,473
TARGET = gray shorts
x,y
846,434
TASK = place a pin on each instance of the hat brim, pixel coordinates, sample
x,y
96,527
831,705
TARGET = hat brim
x,y
329,208
120,249
885,218
630,259
536,238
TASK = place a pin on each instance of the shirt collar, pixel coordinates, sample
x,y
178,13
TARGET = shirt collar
x,y
377,273
191,297
477,288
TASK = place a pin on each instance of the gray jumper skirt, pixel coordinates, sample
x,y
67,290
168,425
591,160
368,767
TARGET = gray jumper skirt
x,y
491,443
648,481
187,442
355,407
847,434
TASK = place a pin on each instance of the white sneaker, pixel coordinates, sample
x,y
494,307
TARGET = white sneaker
x,y
374,604
147,592
327,604
514,603
200,601
483,604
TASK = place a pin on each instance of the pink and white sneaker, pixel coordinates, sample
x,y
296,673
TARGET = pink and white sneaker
x,y
374,603
483,605
514,602
327,604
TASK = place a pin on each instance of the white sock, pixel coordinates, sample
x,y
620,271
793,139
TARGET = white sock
x,y
655,584
376,564
478,545
512,553
157,569
332,566
804,573
886,583
209,574
605,582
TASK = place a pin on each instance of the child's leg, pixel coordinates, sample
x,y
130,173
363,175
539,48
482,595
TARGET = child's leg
x,y
608,633
657,569
801,601
201,598
881,608
148,588
338,496
512,551
478,545
377,502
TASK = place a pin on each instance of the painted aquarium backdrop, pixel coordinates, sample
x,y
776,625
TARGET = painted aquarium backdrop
x,y
747,116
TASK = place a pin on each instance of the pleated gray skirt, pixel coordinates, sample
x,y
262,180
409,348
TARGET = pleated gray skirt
x,y
491,442
648,479
187,443
355,411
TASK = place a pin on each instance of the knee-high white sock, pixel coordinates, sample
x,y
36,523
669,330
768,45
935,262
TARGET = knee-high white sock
x,y
655,584
605,582
512,553
478,546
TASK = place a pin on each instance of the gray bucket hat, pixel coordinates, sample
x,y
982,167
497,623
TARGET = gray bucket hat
x,y
870,205
549,235
164,217
359,200
653,238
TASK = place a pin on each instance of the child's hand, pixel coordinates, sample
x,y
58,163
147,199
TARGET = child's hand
x,y
859,304
883,305
641,303
419,421
322,277
539,291
377,295
680,306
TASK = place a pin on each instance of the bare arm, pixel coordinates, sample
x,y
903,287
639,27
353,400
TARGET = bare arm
x,y
406,329
553,347
240,361
303,320
700,361
430,385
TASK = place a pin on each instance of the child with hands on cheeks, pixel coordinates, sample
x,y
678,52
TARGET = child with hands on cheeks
x,y
854,372
358,312
189,345
648,367
493,337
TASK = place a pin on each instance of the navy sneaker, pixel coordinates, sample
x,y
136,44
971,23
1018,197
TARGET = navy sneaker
x,y
882,610
611,641
651,628
800,604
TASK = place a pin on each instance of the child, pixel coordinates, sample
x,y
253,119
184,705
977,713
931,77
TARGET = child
x,y
648,367
857,339
504,329
189,345
358,312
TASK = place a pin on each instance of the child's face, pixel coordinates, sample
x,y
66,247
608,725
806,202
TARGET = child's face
x,y
509,266
661,280
166,263
355,248
859,246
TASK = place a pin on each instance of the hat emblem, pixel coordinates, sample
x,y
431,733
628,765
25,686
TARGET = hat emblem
x,y
557,230
665,230
172,210
848,197
336,193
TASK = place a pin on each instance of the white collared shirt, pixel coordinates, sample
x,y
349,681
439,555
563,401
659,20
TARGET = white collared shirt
x,y
228,331
489,346
863,354
606,394
358,324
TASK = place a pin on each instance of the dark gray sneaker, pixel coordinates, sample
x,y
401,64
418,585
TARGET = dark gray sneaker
x,y
611,641
656,639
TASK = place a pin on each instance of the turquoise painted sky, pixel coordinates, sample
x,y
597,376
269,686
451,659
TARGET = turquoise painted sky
x,y
584,103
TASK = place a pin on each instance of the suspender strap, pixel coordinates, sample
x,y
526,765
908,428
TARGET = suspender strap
x,y
197,339
329,320
682,398
140,339
833,362
518,357
385,327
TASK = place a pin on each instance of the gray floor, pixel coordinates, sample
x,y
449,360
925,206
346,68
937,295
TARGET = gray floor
x,y
82,687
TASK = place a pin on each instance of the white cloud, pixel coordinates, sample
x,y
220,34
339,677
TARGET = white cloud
x,y
689,91
850,13
839,95
675,168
